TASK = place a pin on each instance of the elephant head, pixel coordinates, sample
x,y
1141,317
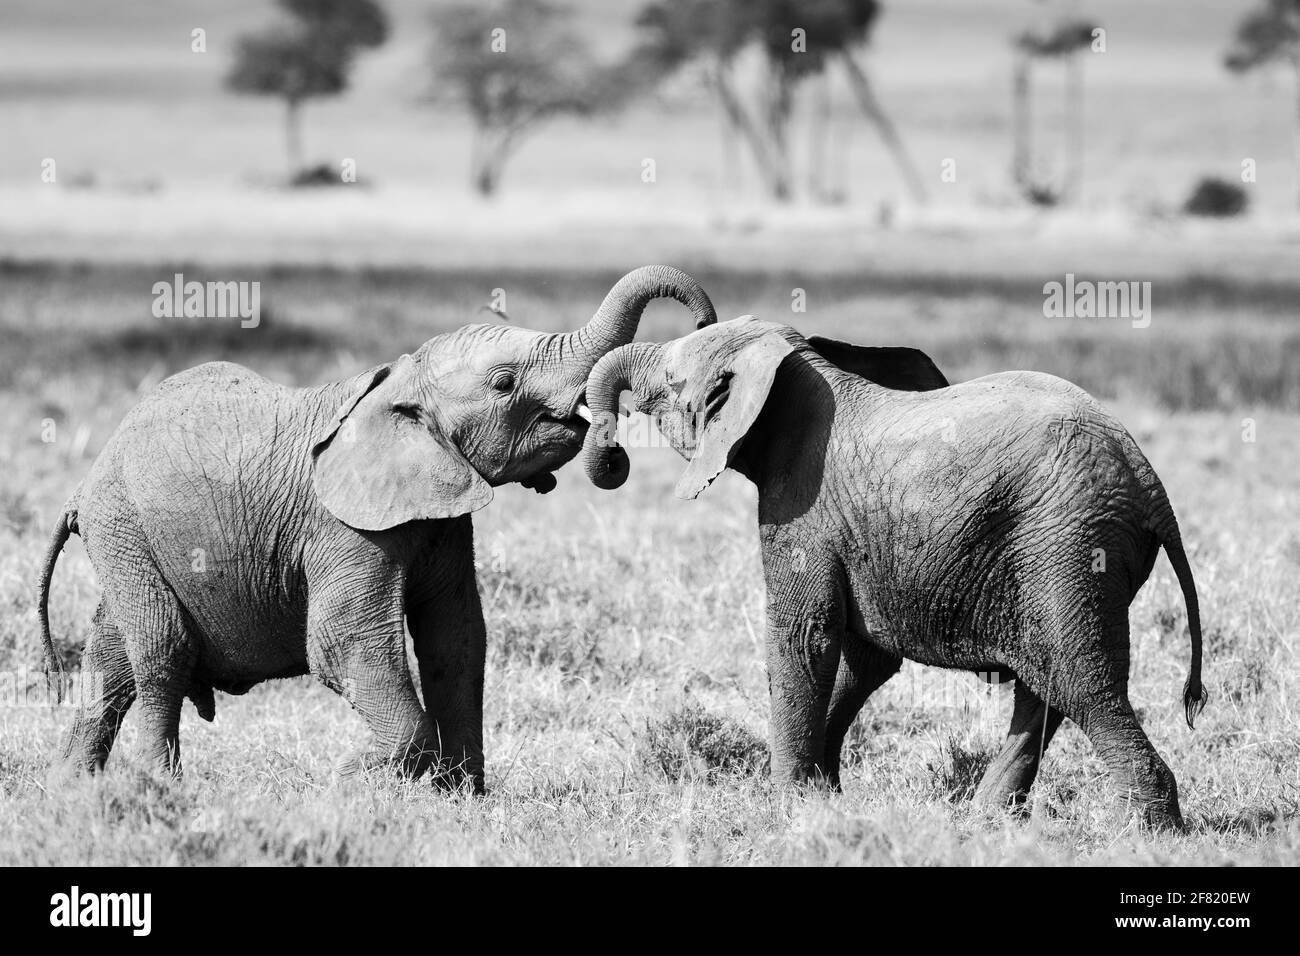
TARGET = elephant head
x,y
428,436
706,390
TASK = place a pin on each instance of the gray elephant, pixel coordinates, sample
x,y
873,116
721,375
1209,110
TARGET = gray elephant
x,y
244,531
1003,524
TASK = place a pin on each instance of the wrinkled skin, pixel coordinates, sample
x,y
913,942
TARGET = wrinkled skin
x,y
1003,524
244,531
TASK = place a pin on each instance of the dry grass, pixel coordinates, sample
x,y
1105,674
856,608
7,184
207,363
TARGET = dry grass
x,y
625,669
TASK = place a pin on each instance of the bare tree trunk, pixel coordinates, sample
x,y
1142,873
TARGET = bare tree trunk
x,y
819,139
1022,125
486,175
1072,188
731,166
493,146
779,95
481,174
761,150
293,134
1295,130
875,112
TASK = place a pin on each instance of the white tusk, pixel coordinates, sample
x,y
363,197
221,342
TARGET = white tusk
x,y
584,413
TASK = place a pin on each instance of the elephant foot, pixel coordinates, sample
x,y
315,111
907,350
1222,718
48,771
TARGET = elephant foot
x,y
1161,816
367,762
455,779
807,778
1005,784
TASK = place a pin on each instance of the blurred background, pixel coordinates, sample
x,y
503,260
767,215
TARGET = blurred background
x,y
832,134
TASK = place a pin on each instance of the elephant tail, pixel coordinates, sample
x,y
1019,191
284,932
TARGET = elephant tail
x,y
66,526
1194,695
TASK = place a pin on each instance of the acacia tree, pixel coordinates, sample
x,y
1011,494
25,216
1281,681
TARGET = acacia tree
x,y
514,66
1269,35
1063,42
310,56
795,42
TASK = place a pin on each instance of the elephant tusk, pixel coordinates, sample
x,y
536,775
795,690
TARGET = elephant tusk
x,y
584,413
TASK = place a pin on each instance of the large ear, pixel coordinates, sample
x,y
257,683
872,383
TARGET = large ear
x,y
893,367
384,461
729,404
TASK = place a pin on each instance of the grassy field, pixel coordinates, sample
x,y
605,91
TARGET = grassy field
x,y
626,696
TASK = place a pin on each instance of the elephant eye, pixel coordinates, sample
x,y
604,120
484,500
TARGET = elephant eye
x,y
504,381
407,410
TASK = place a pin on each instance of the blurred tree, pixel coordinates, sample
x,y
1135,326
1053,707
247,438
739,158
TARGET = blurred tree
x,y
796,40
1064,40
1268,35
515,65
308,57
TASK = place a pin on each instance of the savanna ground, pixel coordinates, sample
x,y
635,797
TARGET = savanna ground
x,y
626,697
626,702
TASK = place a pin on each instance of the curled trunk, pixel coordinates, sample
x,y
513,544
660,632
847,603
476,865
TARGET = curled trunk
x,y
605,462
615,322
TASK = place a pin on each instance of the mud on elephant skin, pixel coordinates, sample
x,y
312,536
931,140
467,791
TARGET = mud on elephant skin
x,y
243,531
954,526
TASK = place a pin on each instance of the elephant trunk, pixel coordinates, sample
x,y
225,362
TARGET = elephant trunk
x,y
615,322
605,462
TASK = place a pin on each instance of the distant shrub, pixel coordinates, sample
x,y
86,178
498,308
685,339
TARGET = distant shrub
x,y
1043,196
691,739
322,174
958,771
1216,197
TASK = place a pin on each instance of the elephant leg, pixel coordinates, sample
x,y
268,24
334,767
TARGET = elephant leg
x,y
805,634
1090,680
107,691
160,707
863,668
159,643
1144,780
450,639
357,647
1009,777
401,736
162,675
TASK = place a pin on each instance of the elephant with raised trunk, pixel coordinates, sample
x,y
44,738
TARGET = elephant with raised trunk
x,y
244,531
1004,524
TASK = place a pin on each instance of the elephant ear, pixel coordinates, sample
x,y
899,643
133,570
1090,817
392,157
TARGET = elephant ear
x,y
384,460
730,403
891,366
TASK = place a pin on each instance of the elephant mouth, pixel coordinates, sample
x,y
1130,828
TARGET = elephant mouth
x,y
563,432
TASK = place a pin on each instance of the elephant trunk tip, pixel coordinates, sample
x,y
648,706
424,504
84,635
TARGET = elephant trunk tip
x,y
608,468
603,459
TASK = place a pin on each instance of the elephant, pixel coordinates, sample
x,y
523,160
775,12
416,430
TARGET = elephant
x,y
244,531
1002,525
